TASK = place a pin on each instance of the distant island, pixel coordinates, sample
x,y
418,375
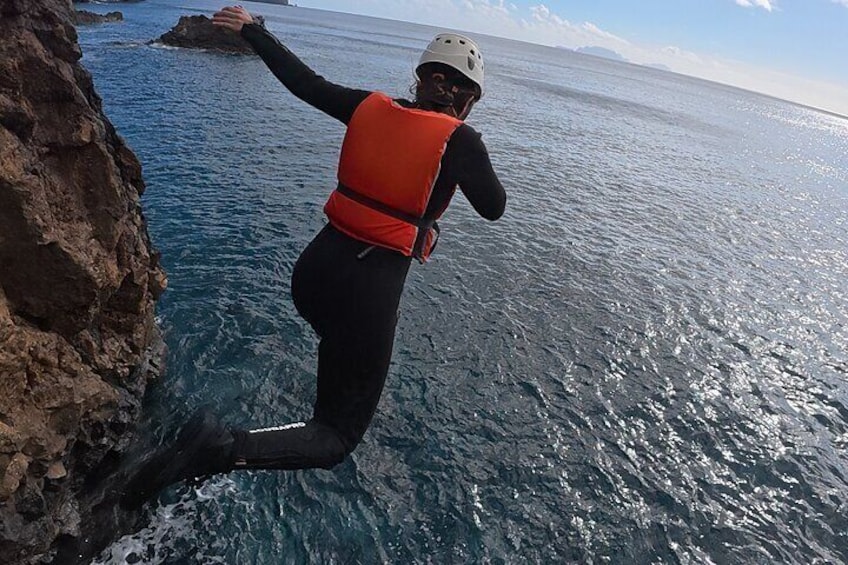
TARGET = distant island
x,y
605,53
601,52
658,66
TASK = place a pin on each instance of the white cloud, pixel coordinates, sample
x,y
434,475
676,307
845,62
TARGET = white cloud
x,y
598,32
541,25
549,28
767,5
502,18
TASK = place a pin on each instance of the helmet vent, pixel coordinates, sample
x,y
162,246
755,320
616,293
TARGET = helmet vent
x,y
458,52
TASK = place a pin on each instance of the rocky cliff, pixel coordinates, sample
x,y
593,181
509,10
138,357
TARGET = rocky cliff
x,y
78,282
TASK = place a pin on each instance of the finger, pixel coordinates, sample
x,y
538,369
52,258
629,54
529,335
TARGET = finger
x,y
225,21
227,24
241,16
226,17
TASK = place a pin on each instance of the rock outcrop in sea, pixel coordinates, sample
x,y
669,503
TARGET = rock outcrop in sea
x,y
198,32
78,282
83,17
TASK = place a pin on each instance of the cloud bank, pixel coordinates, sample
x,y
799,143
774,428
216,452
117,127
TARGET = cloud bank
x,y
539,24
767,5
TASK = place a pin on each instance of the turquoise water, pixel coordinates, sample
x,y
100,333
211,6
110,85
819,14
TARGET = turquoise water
x,y
644,361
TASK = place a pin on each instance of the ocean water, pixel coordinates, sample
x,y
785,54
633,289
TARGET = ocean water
x,y
644,361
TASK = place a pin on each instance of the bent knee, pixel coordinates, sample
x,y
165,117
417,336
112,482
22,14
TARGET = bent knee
x,y
335,447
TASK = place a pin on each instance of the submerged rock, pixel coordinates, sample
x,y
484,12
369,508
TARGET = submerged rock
x,y
198,32
83,17
78,282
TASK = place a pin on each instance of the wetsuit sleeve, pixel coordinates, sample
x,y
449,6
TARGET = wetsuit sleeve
x,y
474,173
333,99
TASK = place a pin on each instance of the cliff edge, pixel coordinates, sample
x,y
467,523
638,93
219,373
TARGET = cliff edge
x,y
78,283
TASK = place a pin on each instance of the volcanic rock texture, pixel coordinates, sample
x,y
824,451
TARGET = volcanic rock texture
x,y
78,282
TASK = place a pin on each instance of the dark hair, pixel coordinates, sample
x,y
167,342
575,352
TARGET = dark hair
x,y
443,86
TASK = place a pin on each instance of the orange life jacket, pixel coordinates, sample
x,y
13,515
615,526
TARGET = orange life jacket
x,y
389,163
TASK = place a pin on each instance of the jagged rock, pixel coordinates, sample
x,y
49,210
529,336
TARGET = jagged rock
x,y
83,17
78,283
198,32
56,471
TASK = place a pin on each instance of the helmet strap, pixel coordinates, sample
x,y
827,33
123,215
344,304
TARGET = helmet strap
x,y
437,91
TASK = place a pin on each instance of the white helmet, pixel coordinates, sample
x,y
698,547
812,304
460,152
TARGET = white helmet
x,y
455,51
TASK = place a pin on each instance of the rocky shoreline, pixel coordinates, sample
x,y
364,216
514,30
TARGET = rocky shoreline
x,y
79,278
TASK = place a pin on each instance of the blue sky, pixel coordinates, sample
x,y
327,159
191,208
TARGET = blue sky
x,y
793,49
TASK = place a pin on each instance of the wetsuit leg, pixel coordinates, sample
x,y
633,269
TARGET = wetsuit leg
x,y
352,369
293,446
352,304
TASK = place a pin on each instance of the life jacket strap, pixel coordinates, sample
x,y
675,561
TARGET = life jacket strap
x,y
380,206
421,239
424,225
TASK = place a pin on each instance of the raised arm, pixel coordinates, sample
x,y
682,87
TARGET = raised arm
x,y
332,99
474,173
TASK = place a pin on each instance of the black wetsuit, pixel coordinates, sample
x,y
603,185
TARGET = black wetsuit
x,y
349,299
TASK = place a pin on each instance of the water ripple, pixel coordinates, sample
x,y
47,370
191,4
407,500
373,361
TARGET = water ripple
x,y
644,361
